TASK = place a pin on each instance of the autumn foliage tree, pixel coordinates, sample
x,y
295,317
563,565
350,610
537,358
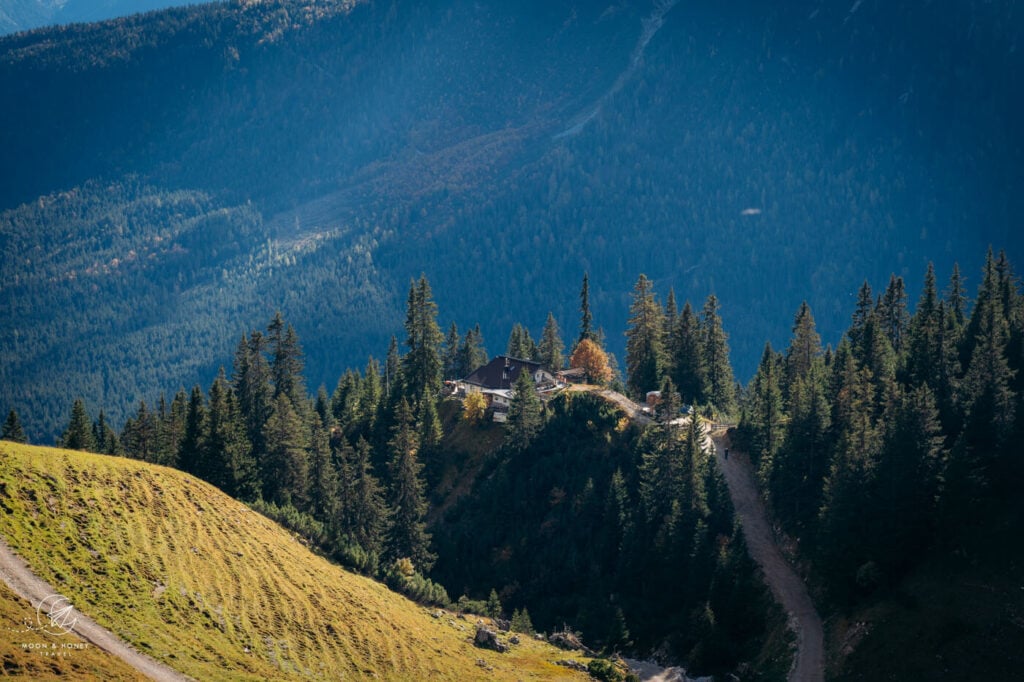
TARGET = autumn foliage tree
x,y
591,357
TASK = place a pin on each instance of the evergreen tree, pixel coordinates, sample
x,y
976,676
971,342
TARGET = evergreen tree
x,y
286,364
804,347
766,412
865,307
367,515
688,371
140,439
892,313
372,391
409,537
171,429
493,608
227,453
716,357
322,408
472,353
429,426
550,348
525,413
190,450
251,379
450,357
645,349
286,468
324,485
106,438
12,430
668,332
521,622
586,319
421,366
392,367
956,298
78,435
923,356
520,344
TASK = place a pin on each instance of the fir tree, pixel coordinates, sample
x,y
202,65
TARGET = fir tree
x,y
78,435
766,412
392,367
472,353
493,608
140,438
409,537
892,313
12,430
520,344
324,485
645,350
227,453
251,379
956,298
287,364
550,348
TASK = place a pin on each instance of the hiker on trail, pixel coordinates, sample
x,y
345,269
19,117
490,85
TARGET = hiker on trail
x,y
727,453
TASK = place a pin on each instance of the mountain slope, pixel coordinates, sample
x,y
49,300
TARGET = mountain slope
x,y
749,150
204,584
23,15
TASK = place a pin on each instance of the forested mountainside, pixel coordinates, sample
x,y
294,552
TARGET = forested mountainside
x,y
891,464
23,15
222,161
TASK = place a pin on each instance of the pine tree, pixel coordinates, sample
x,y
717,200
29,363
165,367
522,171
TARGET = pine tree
x,y
716,357
688,371
525,413
409,537
286,469
645,348
493,608
421,366
550,348
78,435
586,319
12,430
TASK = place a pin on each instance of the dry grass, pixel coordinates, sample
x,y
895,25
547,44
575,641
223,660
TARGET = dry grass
x,y
202,583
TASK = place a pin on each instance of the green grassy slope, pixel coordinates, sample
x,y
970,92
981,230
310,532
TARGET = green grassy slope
x,y
202,583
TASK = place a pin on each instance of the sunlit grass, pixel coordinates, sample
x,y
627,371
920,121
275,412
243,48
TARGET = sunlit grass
x,y
202,583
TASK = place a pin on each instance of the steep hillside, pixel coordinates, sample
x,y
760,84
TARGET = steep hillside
x,y
23,15
204,584
757,151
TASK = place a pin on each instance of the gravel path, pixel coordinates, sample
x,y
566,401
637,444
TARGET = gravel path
x,y
20,578
787,587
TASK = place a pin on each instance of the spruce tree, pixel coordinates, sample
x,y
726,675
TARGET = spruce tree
x,y
190,450
421,366
450,356
645,349
409,537
251,379
140,439
286,469
472,353
12,430
550,348
804,347
892,312
688,371
923,352
78,435
525,413
520,344
286,364
586,318
766,413
227,454
392,367
716,357
367,514
956,298
324,485
106,438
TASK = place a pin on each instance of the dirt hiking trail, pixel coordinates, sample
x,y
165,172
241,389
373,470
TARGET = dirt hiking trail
x,y
23,582
786,586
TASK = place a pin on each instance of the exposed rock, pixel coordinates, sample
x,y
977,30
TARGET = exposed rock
x,y
514,639
572,664
488,639
503,625
568,640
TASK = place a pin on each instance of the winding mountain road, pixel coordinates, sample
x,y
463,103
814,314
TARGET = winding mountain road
x,y
786,586
27,585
